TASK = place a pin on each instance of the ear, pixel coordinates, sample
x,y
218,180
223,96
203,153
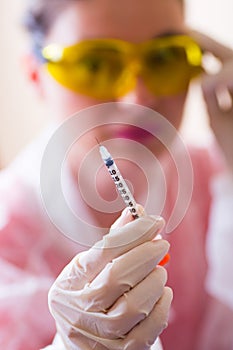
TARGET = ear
x,y
32,68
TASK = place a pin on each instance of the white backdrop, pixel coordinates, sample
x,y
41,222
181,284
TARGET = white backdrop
x,y
22,115
214,18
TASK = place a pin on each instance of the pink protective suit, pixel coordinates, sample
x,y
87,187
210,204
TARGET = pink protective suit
x,y
33,252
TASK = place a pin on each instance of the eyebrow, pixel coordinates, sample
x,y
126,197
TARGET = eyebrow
x,y
168,33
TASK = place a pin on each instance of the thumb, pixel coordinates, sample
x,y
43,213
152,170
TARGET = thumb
x,y
126,217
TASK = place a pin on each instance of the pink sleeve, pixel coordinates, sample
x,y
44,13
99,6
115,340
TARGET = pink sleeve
x,y
26,273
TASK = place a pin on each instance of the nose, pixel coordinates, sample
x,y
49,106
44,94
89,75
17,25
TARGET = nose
x,y
140,95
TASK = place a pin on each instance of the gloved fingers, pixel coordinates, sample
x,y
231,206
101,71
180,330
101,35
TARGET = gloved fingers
x,y
121,275
128,311
144,334
134,306
87,265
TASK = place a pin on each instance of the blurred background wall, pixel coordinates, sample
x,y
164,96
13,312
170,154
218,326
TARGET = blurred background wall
x,y
214,18
22,115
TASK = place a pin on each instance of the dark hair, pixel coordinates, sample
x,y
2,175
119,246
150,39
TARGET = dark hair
x,y
40,15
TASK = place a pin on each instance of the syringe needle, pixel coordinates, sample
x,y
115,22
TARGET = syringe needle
x,y
97,141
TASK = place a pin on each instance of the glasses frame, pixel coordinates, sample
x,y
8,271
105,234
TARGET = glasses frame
x,y
54,55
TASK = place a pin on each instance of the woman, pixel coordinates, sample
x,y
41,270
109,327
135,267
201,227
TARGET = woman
x,y
198,311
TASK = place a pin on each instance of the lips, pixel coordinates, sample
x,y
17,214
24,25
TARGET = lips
x,y
133,133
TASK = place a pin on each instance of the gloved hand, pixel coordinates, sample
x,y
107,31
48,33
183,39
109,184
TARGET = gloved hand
x,y
218,94
113,296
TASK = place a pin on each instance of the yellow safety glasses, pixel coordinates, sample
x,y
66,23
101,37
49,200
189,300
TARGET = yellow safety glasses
x,y
107,69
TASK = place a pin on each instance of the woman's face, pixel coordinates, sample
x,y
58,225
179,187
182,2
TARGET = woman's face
x,y
131,20
134,21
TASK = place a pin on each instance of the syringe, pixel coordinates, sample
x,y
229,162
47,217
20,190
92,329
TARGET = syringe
x,y
123,188
119,181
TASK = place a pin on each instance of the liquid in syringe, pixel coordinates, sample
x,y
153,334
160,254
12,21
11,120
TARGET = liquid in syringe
x,y
119,181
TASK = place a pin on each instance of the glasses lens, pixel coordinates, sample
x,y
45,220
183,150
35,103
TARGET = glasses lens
x,y
168,69
105,68
98,70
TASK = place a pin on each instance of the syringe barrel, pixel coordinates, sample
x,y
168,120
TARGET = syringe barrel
x,y
119,181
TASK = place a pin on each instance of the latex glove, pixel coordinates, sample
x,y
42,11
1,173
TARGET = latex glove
x,y
218,94
113,296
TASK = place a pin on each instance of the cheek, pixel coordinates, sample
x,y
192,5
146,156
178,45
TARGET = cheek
x,y
61,101
172,109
